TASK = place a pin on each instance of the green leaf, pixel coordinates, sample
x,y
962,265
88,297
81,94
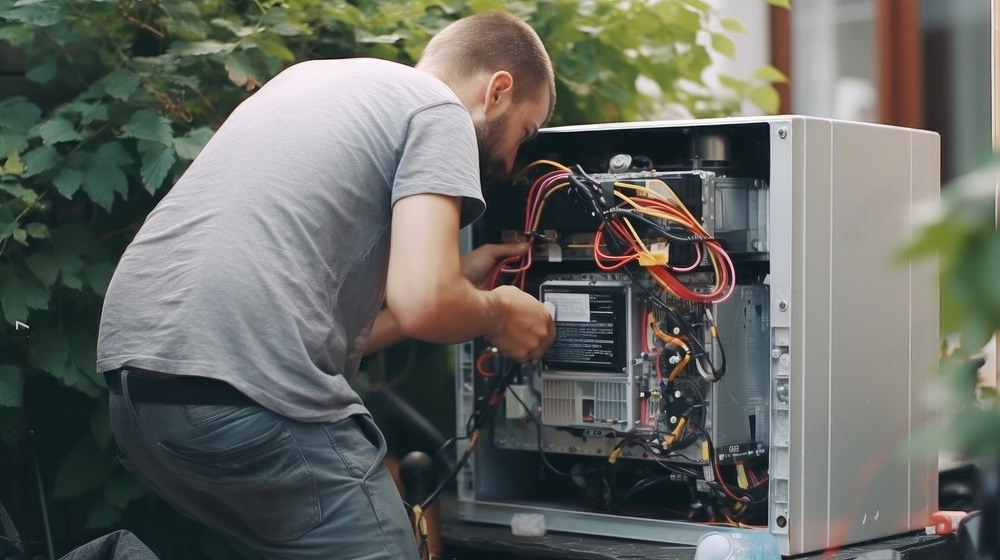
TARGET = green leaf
x,y
50,353
19,294
771,74
766,97
13,165
275,49
184,19
104,175
18,114
68,181
83,352
14,189
199,48
240,70
41,13
58,130
7,223
44,267
190,145
156,163
39,160
82,470
477,6
121,83
89,112
42,71
98,275
723,45
780,3
147,125
12,141
699,5
29,197
37,230
11,386
735,84
277,20
733,25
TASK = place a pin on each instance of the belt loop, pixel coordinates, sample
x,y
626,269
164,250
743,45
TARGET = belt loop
x,y
128,399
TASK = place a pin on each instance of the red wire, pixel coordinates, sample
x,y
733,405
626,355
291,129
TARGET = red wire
x,y
481,365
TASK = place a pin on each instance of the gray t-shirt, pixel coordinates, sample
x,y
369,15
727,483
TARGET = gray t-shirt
x,y
265,265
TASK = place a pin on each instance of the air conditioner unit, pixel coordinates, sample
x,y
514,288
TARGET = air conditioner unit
x,y
784,399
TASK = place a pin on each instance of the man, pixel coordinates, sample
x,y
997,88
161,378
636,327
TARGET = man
x,y
247,299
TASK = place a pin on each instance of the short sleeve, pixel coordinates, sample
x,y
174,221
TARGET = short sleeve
x,y
440,156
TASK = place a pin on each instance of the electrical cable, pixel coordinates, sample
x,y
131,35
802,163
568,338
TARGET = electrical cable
x,y
538,427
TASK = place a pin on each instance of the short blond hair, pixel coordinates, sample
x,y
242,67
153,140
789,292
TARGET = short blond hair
x,y
493,42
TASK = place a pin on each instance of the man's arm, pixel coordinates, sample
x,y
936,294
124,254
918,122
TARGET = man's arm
x,y
429,299
476,268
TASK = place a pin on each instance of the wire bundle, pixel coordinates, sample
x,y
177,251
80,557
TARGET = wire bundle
x,y
617,242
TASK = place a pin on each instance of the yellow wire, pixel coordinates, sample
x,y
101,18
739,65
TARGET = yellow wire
x,y
648,191
541,205
538,162
692,225
676,201
636,236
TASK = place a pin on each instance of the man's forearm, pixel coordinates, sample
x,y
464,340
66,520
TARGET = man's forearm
x,y
385,332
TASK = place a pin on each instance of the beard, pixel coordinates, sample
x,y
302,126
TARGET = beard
x,y
492,168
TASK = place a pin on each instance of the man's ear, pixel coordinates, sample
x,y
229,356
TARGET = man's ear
x,y
499,94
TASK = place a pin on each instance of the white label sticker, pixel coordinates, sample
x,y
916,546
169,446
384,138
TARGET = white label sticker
x,y
554,252
570,308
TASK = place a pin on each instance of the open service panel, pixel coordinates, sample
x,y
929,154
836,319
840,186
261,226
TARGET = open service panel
x,y
737,344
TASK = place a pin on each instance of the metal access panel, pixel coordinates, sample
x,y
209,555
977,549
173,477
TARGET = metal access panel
x,y
829,340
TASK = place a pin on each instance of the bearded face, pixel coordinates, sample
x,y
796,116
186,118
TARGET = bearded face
x,y
489,134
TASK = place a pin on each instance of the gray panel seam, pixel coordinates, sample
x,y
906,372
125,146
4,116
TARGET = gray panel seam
x,y
829,341
802,338
909,356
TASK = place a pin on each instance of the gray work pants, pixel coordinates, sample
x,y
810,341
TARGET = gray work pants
x,y
288,489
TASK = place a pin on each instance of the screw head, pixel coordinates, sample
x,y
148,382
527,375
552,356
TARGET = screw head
x,y
782,133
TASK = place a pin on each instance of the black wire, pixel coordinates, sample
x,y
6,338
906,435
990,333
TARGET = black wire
x,y
538,428
636,488
724,487
476,421
692,238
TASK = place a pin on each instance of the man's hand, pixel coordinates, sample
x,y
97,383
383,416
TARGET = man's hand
x,y
480,262
524,328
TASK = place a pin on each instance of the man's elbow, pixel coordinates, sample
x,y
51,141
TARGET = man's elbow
x,y
418,316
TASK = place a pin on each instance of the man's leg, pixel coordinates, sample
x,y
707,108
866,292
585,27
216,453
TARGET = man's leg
x,y
287,489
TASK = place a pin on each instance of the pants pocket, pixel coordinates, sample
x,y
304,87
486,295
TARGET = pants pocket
x,y
359,443
264,480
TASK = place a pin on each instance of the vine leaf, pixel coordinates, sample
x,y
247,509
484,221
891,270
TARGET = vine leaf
x,y
44,267
58,130
190,145
42,13
121,83
104,176
68,181
20,293
156,162
147,125
39,160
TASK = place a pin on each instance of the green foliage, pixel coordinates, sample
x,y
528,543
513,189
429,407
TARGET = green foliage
x,y
134,89
964,240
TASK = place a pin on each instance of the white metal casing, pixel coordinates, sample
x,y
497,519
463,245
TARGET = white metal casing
x,y
854,334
